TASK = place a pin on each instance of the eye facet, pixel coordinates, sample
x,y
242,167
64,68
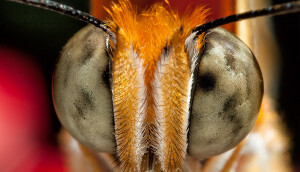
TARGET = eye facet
x,y
228,94
81,90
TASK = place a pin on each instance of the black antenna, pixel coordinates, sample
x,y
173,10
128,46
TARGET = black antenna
x,y
278,9
67,10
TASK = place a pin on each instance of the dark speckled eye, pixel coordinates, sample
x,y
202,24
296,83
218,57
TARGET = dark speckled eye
x,y
81,90
228,94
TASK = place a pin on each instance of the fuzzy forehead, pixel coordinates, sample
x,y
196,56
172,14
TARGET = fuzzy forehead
x,y
153,28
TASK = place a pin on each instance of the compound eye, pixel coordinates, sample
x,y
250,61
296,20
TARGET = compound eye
x,y
228,94
81,90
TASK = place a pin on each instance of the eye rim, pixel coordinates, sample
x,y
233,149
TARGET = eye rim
x,y
84,140
259,81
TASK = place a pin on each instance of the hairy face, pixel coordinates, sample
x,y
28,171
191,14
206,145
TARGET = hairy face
x,y
156,92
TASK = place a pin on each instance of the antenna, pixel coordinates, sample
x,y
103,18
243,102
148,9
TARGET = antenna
x,y
66,10
290,7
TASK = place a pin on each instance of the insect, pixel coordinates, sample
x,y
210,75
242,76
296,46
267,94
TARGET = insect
x,y
156,137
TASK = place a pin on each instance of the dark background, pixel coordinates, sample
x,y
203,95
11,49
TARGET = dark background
x,y
42,34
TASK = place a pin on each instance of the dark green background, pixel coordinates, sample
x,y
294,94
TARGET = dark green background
x,y
43,33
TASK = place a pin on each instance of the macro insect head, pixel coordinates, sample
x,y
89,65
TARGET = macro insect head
x,y
154,88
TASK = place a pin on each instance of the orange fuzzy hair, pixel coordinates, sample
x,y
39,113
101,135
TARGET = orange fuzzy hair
x,y
140,41
150,30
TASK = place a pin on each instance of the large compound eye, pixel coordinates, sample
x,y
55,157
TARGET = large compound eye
x,y
81,90
228,94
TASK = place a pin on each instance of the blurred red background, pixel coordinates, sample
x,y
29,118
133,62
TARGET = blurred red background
x,y
24,116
